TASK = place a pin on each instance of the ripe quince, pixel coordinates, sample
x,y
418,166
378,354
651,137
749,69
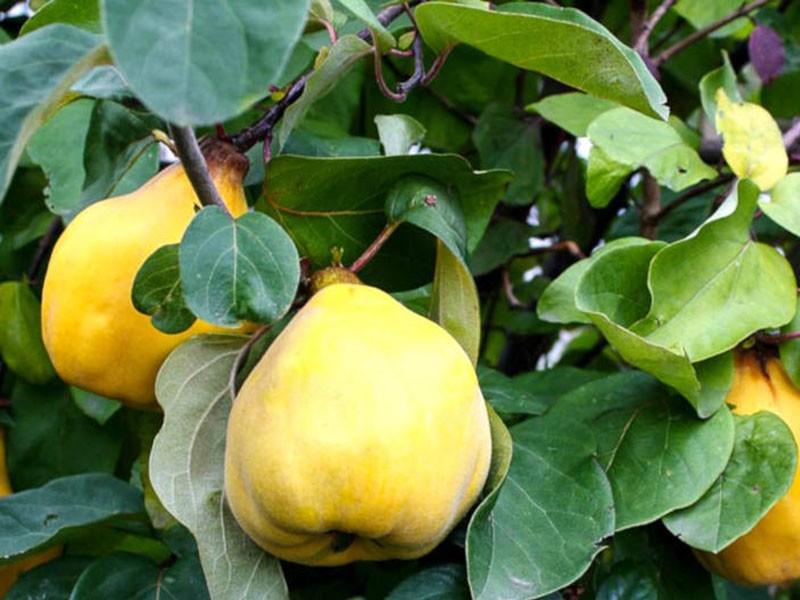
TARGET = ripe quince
x,y
95,337
770,552
10,573
361,434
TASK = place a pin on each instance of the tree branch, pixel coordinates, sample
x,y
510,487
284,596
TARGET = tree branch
x,y
195,166
261,129
792,135
701,33
44,246
641,39
698,190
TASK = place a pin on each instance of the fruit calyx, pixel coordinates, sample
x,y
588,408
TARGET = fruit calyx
x,y
331,275
223,159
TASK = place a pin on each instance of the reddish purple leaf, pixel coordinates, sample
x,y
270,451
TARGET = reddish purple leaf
x,y
767,53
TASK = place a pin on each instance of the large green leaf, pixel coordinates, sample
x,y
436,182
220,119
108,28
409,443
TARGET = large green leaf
x,y
759,473
51,514
339,202
549,517
196,63
45,418
635,140
235,270
54,579
544,38
21,334
657,453
716,287
557,302
187,462
36,71
442,582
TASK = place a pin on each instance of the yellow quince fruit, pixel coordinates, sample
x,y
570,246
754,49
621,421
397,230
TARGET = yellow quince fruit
x,y
10,573
361,434
95,337
770,552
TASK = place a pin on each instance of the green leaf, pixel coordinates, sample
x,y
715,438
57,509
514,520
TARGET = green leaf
x,y
759,474
79,13
635,140
790,350
431,206
604,177
573,111
45,417
123,575
702,14
725,78
504,239
342,56
234,270
543,38
52,59
752,142
363,12
21,334
506,142
157,291
657,453
65,172
121,153
557,303
186,468
398,133
612,292
531,393
454,303
47,516
54,579
442,582
783,203
324,203
197,63
549,518
717,287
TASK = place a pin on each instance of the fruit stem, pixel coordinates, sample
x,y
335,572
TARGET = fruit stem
x,y
195,166
373,248
243,353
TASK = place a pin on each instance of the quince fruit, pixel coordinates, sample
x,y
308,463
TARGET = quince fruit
x,y
361,434
9,573
770,552
95,337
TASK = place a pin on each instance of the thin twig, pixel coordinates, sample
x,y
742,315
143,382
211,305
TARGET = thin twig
x,y
651,207
792,135
245,139
563,246
409,84
373,248
243,353
508,290
701,33
777,338
45,244
698,190
437,65
640,41
195,166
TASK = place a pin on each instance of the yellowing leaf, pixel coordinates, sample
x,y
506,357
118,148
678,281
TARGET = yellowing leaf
x,y
753,147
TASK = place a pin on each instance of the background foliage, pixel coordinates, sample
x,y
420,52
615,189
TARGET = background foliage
x,y
597,199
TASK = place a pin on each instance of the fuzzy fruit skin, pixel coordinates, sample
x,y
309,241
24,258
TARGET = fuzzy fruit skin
x,y
10,573
95,337
361,434
770,552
